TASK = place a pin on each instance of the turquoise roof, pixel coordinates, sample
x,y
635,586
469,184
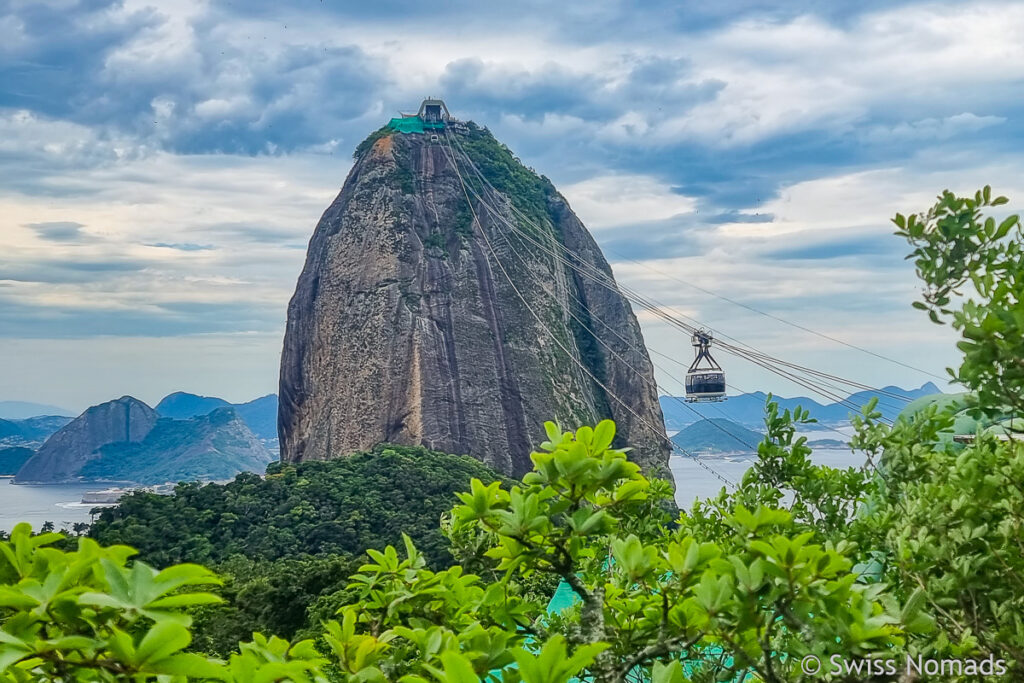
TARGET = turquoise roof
x,y
413,124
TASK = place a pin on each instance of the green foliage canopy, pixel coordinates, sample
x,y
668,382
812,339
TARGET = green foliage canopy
x,y
341,507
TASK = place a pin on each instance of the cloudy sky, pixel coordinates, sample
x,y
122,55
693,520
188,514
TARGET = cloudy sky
x,y
162,164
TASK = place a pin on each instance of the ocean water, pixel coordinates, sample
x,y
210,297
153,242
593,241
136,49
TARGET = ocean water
x,y
694,481
57,503
61,503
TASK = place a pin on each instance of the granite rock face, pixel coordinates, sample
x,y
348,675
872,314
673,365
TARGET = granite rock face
x,y
62,456
422,317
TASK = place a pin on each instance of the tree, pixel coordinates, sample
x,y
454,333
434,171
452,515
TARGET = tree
x,y
947,521
956,246
648,598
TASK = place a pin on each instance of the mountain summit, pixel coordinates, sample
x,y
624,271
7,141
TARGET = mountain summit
x,y
436,308
62,456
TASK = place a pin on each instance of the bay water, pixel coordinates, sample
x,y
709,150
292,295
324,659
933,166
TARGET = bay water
x,y
61,503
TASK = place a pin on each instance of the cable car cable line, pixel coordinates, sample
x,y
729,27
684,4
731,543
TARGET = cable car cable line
x,y
629,344
780,319
587,270
476,220
602,279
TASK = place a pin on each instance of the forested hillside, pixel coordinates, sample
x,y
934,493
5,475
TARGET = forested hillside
x,y
291,539
366,500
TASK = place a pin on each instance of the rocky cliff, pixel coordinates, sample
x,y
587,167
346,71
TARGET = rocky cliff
x,y
63,454
423,317
125,440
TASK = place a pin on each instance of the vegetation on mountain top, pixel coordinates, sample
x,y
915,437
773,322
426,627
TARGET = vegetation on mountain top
x,y
527,190
364,146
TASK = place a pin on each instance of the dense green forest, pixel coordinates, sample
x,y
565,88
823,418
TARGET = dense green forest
x,y
343,507
289,540
801,572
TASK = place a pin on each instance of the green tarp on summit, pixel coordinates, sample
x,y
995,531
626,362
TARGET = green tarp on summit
x,y
413,124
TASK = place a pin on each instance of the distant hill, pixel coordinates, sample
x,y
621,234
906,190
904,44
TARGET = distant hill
x,y
126,440
748,409
213,447
62,456
30,432
182,406
19,410
717,435
259,414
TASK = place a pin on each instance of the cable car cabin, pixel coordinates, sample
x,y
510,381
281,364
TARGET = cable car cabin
x,y
705,380
705,386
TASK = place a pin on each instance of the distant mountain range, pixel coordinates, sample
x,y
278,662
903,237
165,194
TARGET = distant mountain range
x,y
748,409
260,414
19,439
126,440
19,410
30,432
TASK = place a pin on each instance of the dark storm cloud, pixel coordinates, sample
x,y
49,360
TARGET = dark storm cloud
x,y
879,247
58,77
103,84
299,96
256,233
211,87
183,246
591,22
200,94
679,236
60,231
657,85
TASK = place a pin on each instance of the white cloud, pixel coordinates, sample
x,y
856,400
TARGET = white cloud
x,y
251,216
619,199
932,128
852,204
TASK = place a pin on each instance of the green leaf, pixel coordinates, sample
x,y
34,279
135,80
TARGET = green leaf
x,y
913,605
1005,227
604,434
163,639
668,673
